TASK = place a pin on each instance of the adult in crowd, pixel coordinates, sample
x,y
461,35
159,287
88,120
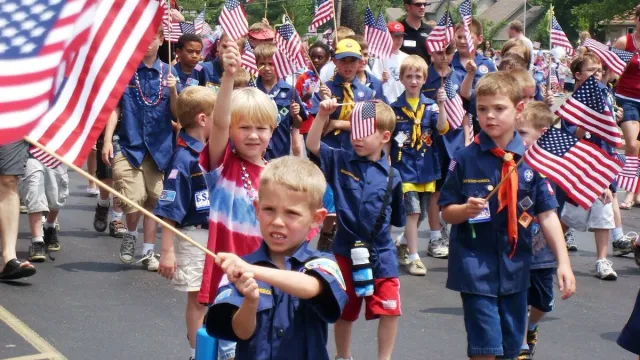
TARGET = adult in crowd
x,y
416,30
486,46
581,50
628,97
516,31
13,158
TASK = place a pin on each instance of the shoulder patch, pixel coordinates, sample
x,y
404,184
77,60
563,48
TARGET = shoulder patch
x,y
198,67
328,267
173,174
167,195
223,295
452,165
202,200
483,69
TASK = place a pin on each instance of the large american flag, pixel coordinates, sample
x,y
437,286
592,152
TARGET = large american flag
x,y
453,107
178,29
377,35
628,178
466,16
624,56
234,20
363,119
283,66
324,12
198,23
442,35
97,79
38,43
587,108
558,37
249,60
289,43
580,168
608,57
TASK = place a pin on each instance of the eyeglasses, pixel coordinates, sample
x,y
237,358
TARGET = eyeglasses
x,y
419,4
593,70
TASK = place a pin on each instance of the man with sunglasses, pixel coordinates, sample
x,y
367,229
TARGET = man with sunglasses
x,y
416,30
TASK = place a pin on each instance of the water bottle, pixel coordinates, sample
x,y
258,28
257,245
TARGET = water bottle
x,y
116,145
362,270
206,346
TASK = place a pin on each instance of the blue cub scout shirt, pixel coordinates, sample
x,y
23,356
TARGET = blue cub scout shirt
x,y
283,94
287,327
185,197
375,84
479,260
416,166
485,66
147,130
359,186
340,139
198,76
211,74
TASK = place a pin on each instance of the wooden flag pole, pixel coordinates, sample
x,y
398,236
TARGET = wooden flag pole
x,y
266,7
119,196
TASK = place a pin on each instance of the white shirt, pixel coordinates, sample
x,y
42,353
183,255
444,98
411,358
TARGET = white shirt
x,y
393,88
531,50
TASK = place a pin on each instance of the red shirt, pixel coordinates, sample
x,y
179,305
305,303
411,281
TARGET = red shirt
x,y
306,81
628,86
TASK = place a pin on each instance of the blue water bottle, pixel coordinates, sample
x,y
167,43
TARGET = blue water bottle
x,y
206,346
362,270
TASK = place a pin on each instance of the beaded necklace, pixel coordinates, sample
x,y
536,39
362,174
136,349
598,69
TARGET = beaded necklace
x,y
246,181
142,98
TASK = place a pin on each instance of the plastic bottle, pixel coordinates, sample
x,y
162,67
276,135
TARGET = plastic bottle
x,y
362,270
206,346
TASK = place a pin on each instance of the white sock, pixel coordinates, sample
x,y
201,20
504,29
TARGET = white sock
x,y
414,257
48,225
617,234
193,353
37,239
435,235
146,247
116,215
134,233
104,203
403,240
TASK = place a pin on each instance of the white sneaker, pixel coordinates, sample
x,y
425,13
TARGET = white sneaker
x,y
93,191
438,249
150,261
604,270
417,268
403,254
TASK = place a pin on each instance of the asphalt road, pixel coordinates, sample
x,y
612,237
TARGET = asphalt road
x,y
86,305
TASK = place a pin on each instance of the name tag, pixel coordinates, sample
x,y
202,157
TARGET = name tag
x,y
202,200
410,43
484,216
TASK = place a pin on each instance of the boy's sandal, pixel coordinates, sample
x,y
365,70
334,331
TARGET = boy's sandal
x,y
15,270
627,205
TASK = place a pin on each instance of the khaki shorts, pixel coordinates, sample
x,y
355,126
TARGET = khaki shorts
x,y
141,185
44,189
599,216
189,260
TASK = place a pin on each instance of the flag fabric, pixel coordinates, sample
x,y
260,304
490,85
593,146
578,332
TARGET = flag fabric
x,y
249,60
179,29
234,20
558,37
581,169
289,43
283,66
198,23
97,79
453,106
323,13
627,179
377,35
206,30
586,108
442,35
608,57
608,43
327,36
553,78
363,119
38,40
465,15
624,56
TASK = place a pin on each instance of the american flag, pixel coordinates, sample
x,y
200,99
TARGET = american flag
x,y
363,120
234,20
38,40
442,35
586,108
465,15
206,30
324,12
288,42
327,36
179,29
608,57
97,79
553,78
453,106
628,178
580,168
198,23
249,60
558,37
625,56
282,65
171,30
377,35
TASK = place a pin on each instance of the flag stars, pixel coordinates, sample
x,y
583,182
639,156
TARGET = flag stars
x,y
3,48
9,8
28,25
28,2
37,31
3,22
27,48
19,16
38,9
9,32
47,15
18,41
54,2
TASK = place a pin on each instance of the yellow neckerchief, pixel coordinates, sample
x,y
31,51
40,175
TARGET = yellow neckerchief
x,y
416,116
348,101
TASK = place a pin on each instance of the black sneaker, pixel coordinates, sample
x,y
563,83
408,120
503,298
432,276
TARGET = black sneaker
x,y
51,239
532,340
117,229
100,218
525,354
37,252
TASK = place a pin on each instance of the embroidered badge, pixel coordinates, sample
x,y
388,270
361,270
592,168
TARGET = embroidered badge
x,y
284,111
426,137
483,69
525,220
283,95
202,200
198,67
361,94
525,204
401,138
328,267
452,165
167,195
173,174
528,175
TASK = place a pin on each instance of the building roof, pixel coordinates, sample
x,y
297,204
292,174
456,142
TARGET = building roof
x,y
533,14
501,9
620,20
394,13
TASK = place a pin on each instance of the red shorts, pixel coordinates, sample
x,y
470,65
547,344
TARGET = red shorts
x,y
384,301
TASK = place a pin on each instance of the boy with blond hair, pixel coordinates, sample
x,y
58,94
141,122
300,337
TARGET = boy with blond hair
x,y
490,268
359,176
184,203
283,268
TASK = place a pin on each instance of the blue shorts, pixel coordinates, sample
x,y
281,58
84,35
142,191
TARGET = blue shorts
x,y
541,291
328,202
629,338
631,109
495,325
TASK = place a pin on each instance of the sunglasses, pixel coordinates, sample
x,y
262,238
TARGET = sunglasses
x,y
419,4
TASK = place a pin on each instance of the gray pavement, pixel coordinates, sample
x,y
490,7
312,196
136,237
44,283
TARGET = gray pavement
x,y
86,305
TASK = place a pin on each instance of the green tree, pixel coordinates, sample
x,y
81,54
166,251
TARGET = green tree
x,y
541,34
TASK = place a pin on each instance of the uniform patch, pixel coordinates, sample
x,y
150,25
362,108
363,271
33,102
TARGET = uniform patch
x,y
452,165
328,267
198,67
284,111
361,94
476,181
264,291
283,95
483,69
167,195
525,204
223,295
528,175
173,174
192,82
456,87
433,107
525,220
550,188
401,138
202,200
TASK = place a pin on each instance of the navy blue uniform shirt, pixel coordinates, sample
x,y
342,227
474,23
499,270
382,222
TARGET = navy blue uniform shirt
x,y
485,66
359,186
287,328
199,76
147,130
341,139
417,162
375,84
212,73
185,196
283,94
479,260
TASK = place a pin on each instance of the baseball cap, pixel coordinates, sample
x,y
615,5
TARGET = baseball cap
x,y
261,34
348,48
396,28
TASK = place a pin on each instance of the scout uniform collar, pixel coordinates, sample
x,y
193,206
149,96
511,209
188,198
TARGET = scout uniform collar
x,y
187,141
302,254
